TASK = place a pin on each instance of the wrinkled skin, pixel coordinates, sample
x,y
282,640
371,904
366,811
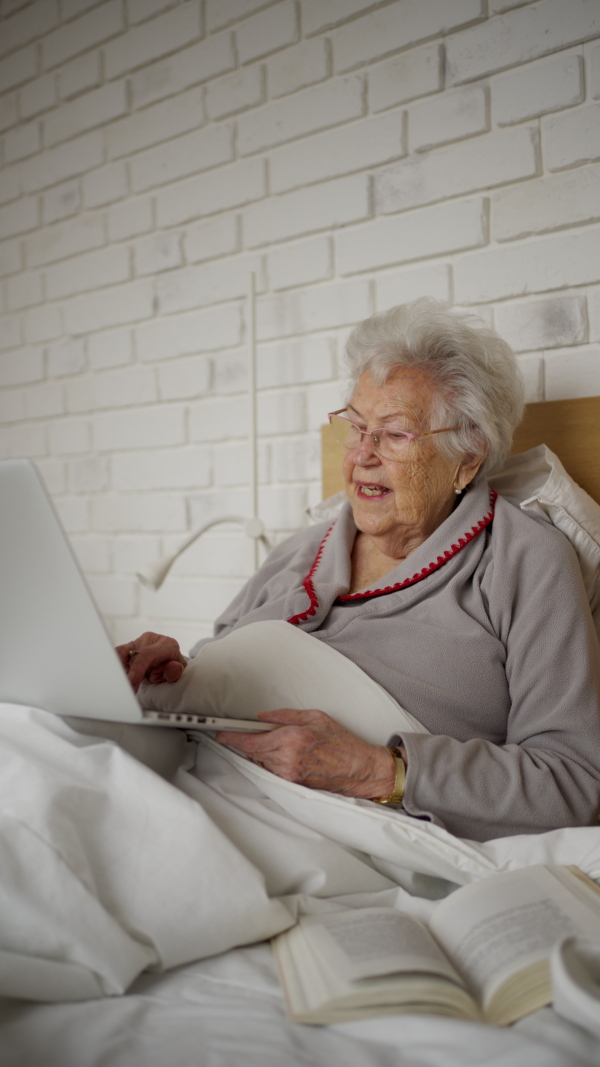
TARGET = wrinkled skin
x,y
396,505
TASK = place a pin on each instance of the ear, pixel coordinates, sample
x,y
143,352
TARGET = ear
x,y
467,470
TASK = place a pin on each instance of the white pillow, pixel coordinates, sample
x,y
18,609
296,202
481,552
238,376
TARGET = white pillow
x,y
537,482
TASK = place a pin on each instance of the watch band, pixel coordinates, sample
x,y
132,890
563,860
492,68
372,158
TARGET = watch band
x,y
398,792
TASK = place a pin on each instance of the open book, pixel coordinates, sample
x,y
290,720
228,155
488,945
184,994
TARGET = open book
x,y
484,956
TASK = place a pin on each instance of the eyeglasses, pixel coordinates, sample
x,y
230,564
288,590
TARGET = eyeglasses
x,y
389,443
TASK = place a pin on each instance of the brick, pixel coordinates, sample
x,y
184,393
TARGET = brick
x,y
551,203
188,598
39,95
353,147
69,40
576,375
67,357
323,307
306,359
71,9
480,163
185,468
69,436
398,25
593,301
305,112
594,65
519,36
64,239
533,266
18,68
183,335
96,108
308,210
130,219
537,89
130,554
404,77
61,201
235,92
12,405
109,307
9,113
207,194
532,369
232,464
222,551
447,117
307,261
158,252
10,334
105,185
80,74
19,217
79,395
122,388
93,553
208,283
158,123
152,512
318,15
54,475
42,324
181,157
498,6
324,398
184,379
90,271
153,39
22,28
549,323
10,183
111,349
25,440
23,291
199,63
401,286
572,138
89,475
43,400
433,231
21,367
215,237
297,67
22,142
296,460
267,32
74,514
139,428
219,419
66,161
140,10
219,14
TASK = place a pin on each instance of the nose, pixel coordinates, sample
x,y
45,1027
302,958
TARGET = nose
x,y
364,451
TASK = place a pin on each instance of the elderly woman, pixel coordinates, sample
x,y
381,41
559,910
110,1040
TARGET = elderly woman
x,y
468,612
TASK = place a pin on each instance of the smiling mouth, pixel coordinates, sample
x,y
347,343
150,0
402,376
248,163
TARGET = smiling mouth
x,y
371,492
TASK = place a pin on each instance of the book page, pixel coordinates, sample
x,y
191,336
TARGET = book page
x,y
373,942
496,927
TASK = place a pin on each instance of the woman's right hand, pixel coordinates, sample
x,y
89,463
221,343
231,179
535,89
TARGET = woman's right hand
x,y
152,656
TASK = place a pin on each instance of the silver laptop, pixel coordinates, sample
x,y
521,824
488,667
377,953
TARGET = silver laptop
x,y
55,652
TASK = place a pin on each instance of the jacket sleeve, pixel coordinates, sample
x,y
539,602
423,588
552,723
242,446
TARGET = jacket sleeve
x,y
546,774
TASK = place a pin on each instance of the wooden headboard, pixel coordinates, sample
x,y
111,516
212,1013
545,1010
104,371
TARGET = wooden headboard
x,y
571,428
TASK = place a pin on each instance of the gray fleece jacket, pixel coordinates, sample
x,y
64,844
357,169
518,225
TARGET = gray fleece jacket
x,y
484,634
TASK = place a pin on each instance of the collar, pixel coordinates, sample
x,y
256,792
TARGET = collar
x,y
329,574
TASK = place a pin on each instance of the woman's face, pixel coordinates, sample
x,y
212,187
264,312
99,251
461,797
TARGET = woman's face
x,y
401,500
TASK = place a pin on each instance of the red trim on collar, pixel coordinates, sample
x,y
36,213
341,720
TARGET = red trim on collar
x,y
424,573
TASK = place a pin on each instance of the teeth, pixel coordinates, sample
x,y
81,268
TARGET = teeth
x,y
370,490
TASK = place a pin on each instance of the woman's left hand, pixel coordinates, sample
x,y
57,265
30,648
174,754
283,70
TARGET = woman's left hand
x,y
312,749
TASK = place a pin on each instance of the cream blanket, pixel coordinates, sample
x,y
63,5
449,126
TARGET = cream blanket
x,y
108,869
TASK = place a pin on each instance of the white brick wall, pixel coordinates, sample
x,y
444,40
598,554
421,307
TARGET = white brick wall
x,y
354,154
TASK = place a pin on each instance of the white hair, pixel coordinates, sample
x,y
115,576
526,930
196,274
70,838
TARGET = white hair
x,y
475,377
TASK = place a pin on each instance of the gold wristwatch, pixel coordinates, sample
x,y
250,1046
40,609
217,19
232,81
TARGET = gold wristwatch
x,y
396,796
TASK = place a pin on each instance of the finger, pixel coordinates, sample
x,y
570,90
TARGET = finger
x,y
293,716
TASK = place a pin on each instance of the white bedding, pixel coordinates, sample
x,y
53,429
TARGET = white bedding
x,y
108,870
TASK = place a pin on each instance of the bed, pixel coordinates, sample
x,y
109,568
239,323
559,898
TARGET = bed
x,y
227,1007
